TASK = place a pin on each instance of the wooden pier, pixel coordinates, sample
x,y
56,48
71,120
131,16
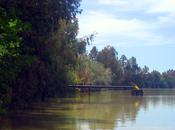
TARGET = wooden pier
x,y
101,87
89,88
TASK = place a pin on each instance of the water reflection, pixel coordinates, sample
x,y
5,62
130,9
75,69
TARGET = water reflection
x,y
102,110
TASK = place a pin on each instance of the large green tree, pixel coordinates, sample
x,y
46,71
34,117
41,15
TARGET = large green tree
x,y
51,41
11,58
109,57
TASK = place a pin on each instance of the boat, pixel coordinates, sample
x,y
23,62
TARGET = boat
x,y
136,91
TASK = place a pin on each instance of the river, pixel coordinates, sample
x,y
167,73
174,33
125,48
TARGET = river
x,y
105,110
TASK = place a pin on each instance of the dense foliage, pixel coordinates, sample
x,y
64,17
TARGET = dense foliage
x,y
89,71
11,57
37,47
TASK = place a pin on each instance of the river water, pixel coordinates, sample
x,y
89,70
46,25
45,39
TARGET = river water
x,y
105,110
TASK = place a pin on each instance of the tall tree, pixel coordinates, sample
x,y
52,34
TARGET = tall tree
x,y
93,53
109,57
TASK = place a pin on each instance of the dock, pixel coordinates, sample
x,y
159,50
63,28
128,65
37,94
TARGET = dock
x,y
101,87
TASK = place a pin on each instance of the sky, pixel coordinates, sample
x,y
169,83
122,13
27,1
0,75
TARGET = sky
x,y
141,28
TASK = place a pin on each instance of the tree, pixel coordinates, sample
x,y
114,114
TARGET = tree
x,y
11,59
101,75
123,61
169,78
51,41
93,53
153,80
133,65
145,70
89,71
109,57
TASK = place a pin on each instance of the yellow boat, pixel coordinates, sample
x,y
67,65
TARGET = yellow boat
x,y
137,91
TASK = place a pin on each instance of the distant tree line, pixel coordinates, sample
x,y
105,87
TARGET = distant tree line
x,y
106,67
126,71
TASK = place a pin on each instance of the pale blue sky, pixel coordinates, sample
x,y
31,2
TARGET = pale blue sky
x,y
140,28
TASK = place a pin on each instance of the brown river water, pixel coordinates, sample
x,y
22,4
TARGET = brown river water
x,y
104,110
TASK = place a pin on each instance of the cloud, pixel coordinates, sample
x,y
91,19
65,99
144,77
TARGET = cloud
x,y
113,2
163,6
129,5
149,6
146,27
111,25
